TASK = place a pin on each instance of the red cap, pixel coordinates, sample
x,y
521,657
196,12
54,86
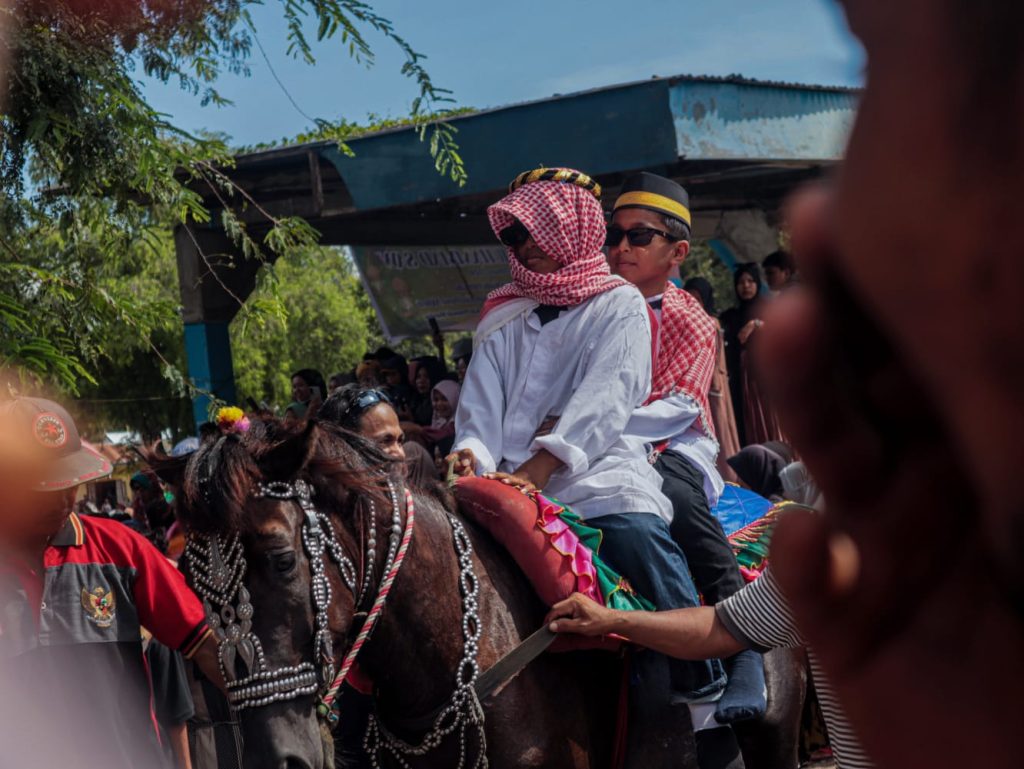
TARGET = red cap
x,y
65,460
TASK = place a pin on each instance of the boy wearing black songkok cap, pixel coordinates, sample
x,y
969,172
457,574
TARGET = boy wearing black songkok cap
x,y
648,237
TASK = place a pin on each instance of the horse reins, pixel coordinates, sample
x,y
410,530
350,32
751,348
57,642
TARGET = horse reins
x,y
326,705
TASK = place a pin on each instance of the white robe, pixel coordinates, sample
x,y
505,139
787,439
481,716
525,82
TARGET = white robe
x,y
674,419
590,367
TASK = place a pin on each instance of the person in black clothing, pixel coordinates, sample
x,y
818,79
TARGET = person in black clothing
x,y
759,468
428,372
339,380
172,700
394,376
739,323
462,353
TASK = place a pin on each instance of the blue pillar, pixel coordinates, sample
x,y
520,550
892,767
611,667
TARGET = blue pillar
x,y
208,349
723,252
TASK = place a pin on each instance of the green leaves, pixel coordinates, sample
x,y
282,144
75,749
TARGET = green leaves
x,y
92,178
325,321
342,17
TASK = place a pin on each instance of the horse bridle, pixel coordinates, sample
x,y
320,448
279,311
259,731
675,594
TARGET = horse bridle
x,y
217,568
217,565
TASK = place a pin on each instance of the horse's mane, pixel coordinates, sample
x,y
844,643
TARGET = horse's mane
x,y
220,477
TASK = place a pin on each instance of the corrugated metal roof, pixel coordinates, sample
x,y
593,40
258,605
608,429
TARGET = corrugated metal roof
x,y
280,152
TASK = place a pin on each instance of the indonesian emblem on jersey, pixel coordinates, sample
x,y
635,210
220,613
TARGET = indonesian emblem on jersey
x,y
50,431
99,606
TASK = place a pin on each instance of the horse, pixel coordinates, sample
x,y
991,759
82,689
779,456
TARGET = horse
x,y
293,518
559,712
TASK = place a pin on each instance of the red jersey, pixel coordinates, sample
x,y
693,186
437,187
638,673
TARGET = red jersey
x,y
72,632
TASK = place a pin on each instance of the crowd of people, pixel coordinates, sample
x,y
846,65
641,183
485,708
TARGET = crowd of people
x,y
420,396
593,376
906,592
424,391
596,378
631,417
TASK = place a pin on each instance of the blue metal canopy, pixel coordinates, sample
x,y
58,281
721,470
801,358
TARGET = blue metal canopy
x,y
738,145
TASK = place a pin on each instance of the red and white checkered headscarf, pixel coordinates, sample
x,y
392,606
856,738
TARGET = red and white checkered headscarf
x,y
567,224
687,353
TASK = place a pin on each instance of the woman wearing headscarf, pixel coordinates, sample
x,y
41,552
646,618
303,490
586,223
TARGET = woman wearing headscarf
x,y
756,421
760,467
445,399
425,371
719,396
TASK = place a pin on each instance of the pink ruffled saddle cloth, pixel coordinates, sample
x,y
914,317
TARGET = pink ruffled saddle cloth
x,y
555,549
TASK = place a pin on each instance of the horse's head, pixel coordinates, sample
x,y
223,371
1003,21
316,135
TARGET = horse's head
x,y
277,520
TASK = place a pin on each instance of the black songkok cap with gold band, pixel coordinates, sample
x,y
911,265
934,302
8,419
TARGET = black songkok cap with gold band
x,y
566,175
655,193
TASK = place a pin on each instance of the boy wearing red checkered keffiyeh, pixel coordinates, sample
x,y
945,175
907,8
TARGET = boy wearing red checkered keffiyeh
x,y
562,359
647,239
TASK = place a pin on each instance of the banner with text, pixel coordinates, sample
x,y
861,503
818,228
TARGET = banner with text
x,y
410,284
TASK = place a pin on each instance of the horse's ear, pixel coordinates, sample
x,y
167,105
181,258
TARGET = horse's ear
x,y
170,470
285,459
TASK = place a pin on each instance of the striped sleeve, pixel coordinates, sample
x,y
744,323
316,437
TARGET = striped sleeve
x,y
846,747
759,616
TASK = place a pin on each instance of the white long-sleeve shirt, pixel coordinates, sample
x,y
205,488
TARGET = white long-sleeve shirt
x,y
674,419
590,368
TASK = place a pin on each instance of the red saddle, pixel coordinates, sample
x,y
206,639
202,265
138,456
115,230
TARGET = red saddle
x,y
512,518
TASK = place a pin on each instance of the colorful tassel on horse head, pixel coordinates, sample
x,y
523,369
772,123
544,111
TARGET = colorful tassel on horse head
x,y
231,419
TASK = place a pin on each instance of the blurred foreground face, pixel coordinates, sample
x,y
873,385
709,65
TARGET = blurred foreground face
x,y
27,515
20,470
927,223
898,371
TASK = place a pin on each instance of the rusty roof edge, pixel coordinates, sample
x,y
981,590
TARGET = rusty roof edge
x,y
737,79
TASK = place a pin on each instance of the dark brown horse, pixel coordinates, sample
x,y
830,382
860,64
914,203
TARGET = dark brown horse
x,y
560,712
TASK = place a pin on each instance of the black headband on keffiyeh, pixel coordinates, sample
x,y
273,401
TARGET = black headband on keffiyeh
x,y
567,223
566,175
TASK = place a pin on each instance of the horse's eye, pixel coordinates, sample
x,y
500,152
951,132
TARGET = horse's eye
x,y
284,562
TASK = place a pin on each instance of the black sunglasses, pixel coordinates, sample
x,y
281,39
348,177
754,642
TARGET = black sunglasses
x,y
638,236
514,235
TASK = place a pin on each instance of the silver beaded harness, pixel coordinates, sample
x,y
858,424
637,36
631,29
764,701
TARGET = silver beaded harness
x,y
463,711
217,568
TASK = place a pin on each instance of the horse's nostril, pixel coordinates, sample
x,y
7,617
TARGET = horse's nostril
x,y
295,763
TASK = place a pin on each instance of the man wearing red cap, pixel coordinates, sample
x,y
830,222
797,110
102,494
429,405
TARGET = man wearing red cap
x,y
562,359
74,593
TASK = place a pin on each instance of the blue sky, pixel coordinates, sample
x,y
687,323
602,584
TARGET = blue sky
x,y
492,54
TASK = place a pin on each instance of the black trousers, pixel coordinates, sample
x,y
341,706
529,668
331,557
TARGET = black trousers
x,y
701,537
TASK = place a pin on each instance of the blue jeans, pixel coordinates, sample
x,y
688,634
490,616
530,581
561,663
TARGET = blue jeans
x,y
640,547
